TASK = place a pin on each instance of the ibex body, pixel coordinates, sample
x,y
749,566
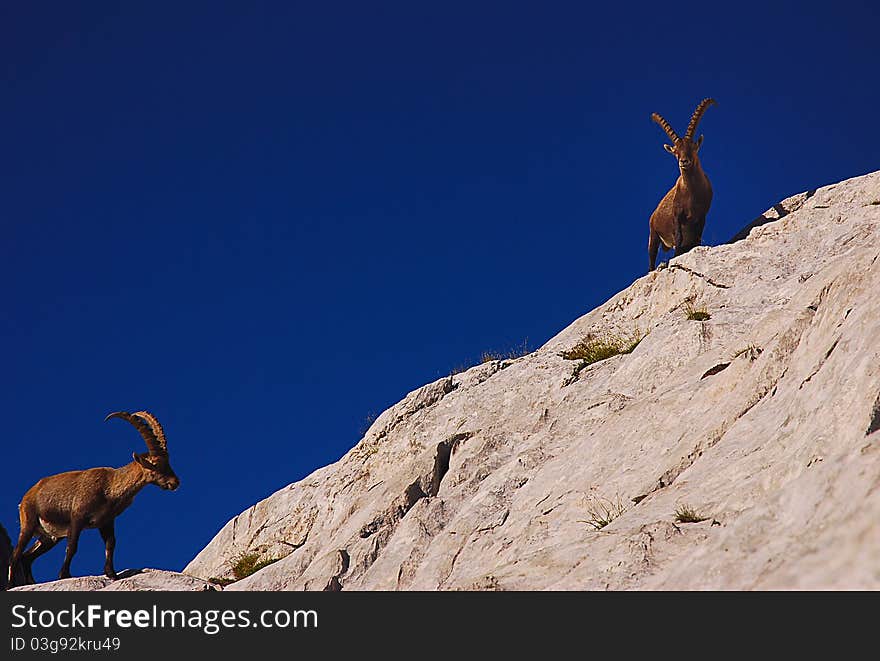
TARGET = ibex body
x,y
63,505
679,219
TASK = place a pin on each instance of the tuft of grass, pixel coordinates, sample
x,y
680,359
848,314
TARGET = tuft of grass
x,y
487,356
686,514
248,563
602,511
696,314
513,353
751,352
593,348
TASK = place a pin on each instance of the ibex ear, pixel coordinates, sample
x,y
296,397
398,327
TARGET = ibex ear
x,y
670,149
699,142
143,461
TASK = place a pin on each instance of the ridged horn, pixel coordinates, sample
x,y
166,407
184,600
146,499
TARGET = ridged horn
x,y
143,428
665,126
158,432
697,116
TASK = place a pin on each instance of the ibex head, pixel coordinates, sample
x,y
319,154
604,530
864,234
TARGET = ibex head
x,y
159,471
685,149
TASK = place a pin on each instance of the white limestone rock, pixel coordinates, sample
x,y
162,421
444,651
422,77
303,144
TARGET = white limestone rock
x,y
763,419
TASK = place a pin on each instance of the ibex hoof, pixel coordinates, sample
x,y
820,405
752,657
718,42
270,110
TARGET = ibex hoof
x,y
112,575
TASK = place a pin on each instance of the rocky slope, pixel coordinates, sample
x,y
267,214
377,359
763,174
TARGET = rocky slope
x,y
763,419
146,580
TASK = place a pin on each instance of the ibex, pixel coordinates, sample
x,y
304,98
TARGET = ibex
x,y
679,219
63,505
5,554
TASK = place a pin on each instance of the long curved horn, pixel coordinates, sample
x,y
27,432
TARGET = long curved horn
x,y
145,431
666,127
158,432
697,116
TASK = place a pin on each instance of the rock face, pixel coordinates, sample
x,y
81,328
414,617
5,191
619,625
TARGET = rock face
x,y
146,580
763,419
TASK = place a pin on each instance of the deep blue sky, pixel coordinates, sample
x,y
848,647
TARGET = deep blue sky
x,y
263,221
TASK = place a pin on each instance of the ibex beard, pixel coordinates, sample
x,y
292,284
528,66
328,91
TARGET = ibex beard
x,y
63,505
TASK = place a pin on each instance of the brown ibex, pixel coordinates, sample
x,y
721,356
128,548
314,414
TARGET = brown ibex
x,y
678,220
63,505
5,555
